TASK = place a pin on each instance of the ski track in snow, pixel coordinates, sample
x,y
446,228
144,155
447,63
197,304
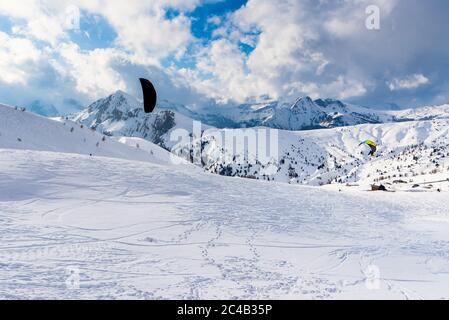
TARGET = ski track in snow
x,y
138,230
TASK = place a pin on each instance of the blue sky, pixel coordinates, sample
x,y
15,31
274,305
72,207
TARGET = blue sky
x,y
200,16
211,52
95,32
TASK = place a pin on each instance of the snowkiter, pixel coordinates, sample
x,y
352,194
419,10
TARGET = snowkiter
x,y
372,145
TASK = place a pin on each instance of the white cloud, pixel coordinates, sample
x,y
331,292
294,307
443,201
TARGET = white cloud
x,y
343,88
142,27
297,47
214,20
92,71
348,19
36,19
273,29
322,62
284,60
145,37
18,57
221,69
407,83
340,88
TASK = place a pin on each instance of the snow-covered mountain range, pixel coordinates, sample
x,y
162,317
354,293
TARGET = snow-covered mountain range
x,y
411,142
302,114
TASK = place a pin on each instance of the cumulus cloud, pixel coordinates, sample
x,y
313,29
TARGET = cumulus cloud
x,y
35,19
79,65
144,31
214,20
18,57
410,82
324,48
345,88
221,63
40,41
348,18
286,58
142,27
271,28
283,49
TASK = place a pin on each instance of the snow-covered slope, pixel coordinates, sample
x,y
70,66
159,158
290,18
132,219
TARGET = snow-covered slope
x,y
27,131
158,154
77,227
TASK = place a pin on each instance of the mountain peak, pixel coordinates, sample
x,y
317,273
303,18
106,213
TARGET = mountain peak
x,y
327,102
119,100
304,102
123,94
304,99
120,93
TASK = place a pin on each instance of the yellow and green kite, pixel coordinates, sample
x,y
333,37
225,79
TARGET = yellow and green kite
x,y
372,145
